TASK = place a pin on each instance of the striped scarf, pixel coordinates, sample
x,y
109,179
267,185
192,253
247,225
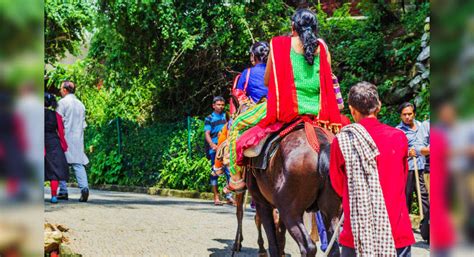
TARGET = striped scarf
x,y
368,214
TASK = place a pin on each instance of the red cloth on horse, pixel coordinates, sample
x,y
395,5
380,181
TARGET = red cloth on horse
x,y
393,171
282,104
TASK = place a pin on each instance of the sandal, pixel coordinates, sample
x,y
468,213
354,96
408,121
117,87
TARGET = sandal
x,y
218,203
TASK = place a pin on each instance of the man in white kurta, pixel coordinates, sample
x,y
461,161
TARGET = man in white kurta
x,y
74,113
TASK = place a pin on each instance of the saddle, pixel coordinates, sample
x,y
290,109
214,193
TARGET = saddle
x,y
260,154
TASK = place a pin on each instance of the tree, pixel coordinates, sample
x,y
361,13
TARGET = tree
x,y
65,27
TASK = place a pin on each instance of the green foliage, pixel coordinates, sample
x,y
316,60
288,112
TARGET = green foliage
x,y
104,99
191,49
182,169
381,49
65,24
21,50
106,169
149,155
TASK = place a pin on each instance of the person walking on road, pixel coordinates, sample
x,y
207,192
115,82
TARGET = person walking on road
x,y
74,115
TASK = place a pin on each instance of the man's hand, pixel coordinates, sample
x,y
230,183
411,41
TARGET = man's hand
x,y
425,151
412,152
213,146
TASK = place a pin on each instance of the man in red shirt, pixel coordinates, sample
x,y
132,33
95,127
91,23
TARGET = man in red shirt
x,y
392,170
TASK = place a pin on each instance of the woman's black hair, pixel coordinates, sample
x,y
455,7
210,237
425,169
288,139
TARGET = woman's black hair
x,y
405,105
306,25
50,100
260,51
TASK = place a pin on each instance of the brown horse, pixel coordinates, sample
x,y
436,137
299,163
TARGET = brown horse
x,y
296,180
239,199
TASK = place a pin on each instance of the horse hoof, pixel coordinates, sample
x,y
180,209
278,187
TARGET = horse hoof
x,y
262,254
237,248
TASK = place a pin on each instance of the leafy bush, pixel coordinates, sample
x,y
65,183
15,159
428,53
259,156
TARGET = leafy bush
x,y
149,155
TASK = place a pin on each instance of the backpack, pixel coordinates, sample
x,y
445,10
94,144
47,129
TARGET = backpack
x,y
233,108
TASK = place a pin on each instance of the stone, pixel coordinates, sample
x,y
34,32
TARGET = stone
x,y
420,67
424,44
62,228
423,86
415,81
65,250
418,100
427,27
52,240
425,54
425,74
425,37
397,95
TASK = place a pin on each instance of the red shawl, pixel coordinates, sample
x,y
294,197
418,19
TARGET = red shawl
x,y
282,102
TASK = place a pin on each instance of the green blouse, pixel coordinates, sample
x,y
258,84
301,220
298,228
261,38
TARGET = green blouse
x,y
306,82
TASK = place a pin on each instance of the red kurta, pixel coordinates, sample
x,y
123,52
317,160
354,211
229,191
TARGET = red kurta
x,y
393,170
441,225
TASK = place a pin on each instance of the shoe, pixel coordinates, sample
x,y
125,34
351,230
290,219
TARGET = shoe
x,y
63,196
84,195
54,199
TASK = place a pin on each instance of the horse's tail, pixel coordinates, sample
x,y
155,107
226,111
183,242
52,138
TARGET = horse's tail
x,y
324,151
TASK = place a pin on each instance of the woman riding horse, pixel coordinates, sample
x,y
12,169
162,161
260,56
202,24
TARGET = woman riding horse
x,y
299,77
249,91
296,179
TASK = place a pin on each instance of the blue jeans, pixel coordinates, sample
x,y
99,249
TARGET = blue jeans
x,y
322,231
401,252
81,177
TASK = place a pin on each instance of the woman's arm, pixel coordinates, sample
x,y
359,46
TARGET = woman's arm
x,y
62,138
266,77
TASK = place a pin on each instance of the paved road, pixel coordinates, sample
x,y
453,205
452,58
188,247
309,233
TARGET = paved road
x,y
128,224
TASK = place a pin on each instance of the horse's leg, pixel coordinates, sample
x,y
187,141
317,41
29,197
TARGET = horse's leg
x,y
281,231
265,212
240,214
294,224
261,247
329,203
